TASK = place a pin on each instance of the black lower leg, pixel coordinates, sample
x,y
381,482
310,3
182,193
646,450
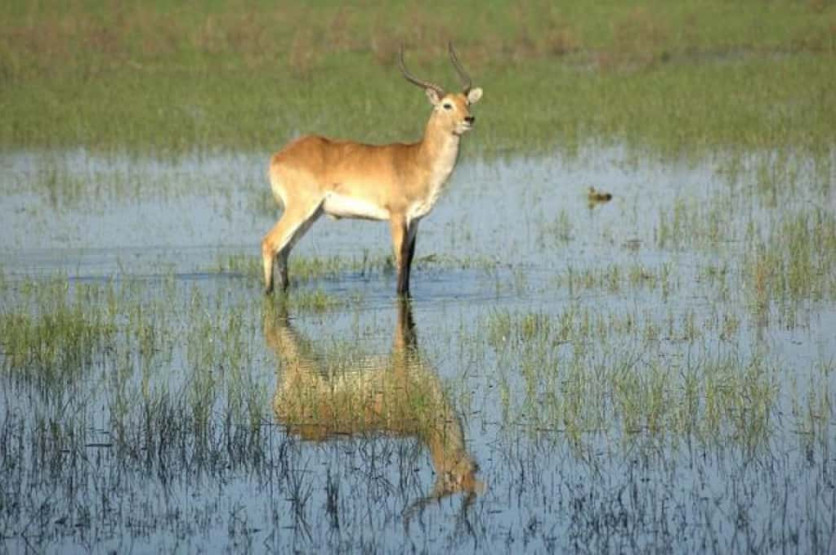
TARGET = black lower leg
x,y
403,281
284,280
410,253
406,267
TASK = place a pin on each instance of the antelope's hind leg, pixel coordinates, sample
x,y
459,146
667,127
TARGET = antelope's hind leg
x,y
279,241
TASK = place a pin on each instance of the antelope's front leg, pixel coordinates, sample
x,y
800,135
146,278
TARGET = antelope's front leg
x,y
401,243
411,234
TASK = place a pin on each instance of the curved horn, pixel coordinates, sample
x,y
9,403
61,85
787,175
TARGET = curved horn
x,y
467,82
414,80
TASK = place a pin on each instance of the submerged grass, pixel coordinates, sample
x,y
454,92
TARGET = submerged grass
x,y
308,269
184,397
587,374
796,260
305,269
57,334
585,370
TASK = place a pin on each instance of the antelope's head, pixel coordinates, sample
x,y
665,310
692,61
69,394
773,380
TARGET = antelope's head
x,y
451,111
457,477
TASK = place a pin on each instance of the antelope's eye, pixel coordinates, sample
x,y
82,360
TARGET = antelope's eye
x,y
447,106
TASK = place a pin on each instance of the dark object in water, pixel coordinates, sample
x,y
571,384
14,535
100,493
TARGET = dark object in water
x,y
598,196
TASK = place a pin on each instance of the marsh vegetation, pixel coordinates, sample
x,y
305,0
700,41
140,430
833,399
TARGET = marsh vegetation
x,y
652,373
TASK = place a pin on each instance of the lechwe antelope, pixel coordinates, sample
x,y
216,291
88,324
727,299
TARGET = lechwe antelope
x,y
345,179
398,395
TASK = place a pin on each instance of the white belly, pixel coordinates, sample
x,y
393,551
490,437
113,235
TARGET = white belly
x,y
341,206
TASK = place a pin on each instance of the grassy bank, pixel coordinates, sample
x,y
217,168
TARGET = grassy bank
x,y
240,76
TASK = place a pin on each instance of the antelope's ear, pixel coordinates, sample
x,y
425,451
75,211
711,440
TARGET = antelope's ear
x,y
473,95
433,95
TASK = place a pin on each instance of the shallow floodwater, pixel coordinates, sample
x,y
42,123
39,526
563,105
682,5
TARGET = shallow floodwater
x,y
655,372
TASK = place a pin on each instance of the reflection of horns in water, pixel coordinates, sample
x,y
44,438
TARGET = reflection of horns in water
x,y
398,395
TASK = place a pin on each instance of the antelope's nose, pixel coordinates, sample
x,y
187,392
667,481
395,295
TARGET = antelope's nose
x,y
470,120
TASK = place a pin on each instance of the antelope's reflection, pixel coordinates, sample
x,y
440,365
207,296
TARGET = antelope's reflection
x,y
398,395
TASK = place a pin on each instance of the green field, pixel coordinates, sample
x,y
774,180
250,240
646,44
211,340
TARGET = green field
x,y
164,78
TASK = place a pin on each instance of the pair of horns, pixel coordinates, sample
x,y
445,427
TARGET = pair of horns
x,y
467,82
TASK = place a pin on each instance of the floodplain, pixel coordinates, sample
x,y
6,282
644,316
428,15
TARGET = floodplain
x,y
653,372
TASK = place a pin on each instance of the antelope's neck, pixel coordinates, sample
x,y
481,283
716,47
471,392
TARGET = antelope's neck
x,y
439,151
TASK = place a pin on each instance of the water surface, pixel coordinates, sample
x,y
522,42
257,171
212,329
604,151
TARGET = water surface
x,y
651,373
